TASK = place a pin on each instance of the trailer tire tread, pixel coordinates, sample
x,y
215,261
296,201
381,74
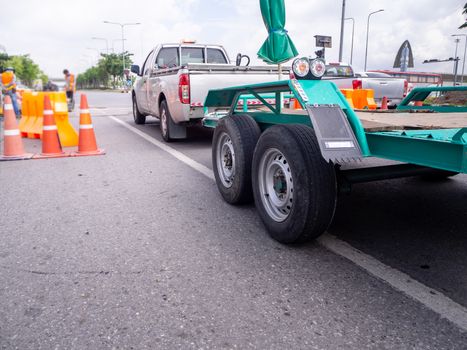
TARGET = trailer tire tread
x,y
244,133
314,184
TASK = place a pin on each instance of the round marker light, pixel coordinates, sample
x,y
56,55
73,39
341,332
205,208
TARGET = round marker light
x,y
301,67
317,68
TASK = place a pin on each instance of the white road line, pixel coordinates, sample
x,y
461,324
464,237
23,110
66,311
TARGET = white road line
x,y
434,300
179,155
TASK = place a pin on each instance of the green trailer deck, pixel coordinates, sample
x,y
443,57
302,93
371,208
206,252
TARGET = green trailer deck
x,y
289,160
436,140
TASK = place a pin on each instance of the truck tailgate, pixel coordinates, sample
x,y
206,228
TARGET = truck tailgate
x,y
202,82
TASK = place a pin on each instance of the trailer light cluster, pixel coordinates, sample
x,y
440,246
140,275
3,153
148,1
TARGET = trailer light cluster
x,y
304,68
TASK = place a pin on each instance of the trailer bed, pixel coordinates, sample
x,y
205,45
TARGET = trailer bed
x,y
394,120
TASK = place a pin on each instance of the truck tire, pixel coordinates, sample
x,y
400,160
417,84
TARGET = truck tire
x,y
165,121
438,175
234,142
294,188
137,116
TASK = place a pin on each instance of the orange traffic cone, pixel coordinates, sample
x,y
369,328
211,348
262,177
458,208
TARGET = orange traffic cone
x,y
384,103
13,144
87,145
51,147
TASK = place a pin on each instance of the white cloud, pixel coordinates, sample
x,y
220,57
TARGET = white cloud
x,y
57,33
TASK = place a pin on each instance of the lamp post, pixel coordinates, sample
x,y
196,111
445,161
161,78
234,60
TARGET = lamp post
x,y
465,50
341,44
123,25
113,44
106,43
367,29
353,30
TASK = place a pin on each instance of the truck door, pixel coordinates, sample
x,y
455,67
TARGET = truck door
x,y
167,57
141,85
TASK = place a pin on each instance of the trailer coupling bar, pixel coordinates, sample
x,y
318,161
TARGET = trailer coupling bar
x,y
336,139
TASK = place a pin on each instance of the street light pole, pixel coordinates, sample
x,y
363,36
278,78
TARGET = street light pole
x,y
341,44
465,50
122,25
367,29
456,61
353,28
106,43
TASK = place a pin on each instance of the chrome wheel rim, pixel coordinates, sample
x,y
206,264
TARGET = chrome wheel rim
x,y
225,160
275,184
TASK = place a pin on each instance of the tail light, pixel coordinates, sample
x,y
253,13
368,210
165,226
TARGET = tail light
x,y
184,88
406,87
356,84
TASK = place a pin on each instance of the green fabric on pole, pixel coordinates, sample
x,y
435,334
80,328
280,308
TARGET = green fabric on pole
x,y
278,47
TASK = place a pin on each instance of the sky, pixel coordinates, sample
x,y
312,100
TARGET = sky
x,y
58,34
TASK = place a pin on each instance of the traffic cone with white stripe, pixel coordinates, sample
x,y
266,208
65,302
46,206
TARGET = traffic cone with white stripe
x,y
51,147
13,144
87,145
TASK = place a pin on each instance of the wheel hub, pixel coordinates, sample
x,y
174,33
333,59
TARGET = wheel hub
x,y
225,160
276,184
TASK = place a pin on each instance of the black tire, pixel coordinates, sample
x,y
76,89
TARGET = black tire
x,y
238,133
438,175
294,188
137,116
164,121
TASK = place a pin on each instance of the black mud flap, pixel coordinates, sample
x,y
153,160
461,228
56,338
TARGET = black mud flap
x,y
337,141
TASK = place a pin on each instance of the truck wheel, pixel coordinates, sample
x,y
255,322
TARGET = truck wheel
x,y
438,175
137,116
234,142
294,188
165,122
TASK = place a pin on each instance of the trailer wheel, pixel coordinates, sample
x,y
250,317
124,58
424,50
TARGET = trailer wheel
x,y
294,187
234,142
137,116
438,175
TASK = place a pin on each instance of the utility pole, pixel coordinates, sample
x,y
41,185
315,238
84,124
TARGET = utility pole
x,y
353,30
367,31
341,44
456,61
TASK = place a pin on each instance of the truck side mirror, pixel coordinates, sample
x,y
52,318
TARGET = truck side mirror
x,y
135,69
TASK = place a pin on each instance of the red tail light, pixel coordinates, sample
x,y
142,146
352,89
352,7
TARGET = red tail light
x,y
184,88
406,87
356,84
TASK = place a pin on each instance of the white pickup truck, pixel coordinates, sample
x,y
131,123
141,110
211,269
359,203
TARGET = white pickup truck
x,y
383,85
174,80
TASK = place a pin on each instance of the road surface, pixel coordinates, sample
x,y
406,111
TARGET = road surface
x,y
137,250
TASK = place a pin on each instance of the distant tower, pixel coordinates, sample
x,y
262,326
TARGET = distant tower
x,y
404,57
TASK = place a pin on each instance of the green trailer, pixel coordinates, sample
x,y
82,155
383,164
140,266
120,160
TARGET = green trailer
x,y
289,161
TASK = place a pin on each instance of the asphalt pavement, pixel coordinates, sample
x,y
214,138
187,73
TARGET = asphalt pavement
x,y
137,250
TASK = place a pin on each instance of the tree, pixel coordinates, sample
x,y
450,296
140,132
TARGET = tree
x,y
465,13
107,73
26,69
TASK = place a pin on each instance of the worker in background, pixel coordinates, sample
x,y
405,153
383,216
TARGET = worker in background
x,y
9,87
70,89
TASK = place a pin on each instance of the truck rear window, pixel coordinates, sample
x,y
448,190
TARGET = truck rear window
x,y
215,56
339,71
192,55
167,58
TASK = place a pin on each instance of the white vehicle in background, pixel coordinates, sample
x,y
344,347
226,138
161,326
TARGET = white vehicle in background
x,y
383,85
174,81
